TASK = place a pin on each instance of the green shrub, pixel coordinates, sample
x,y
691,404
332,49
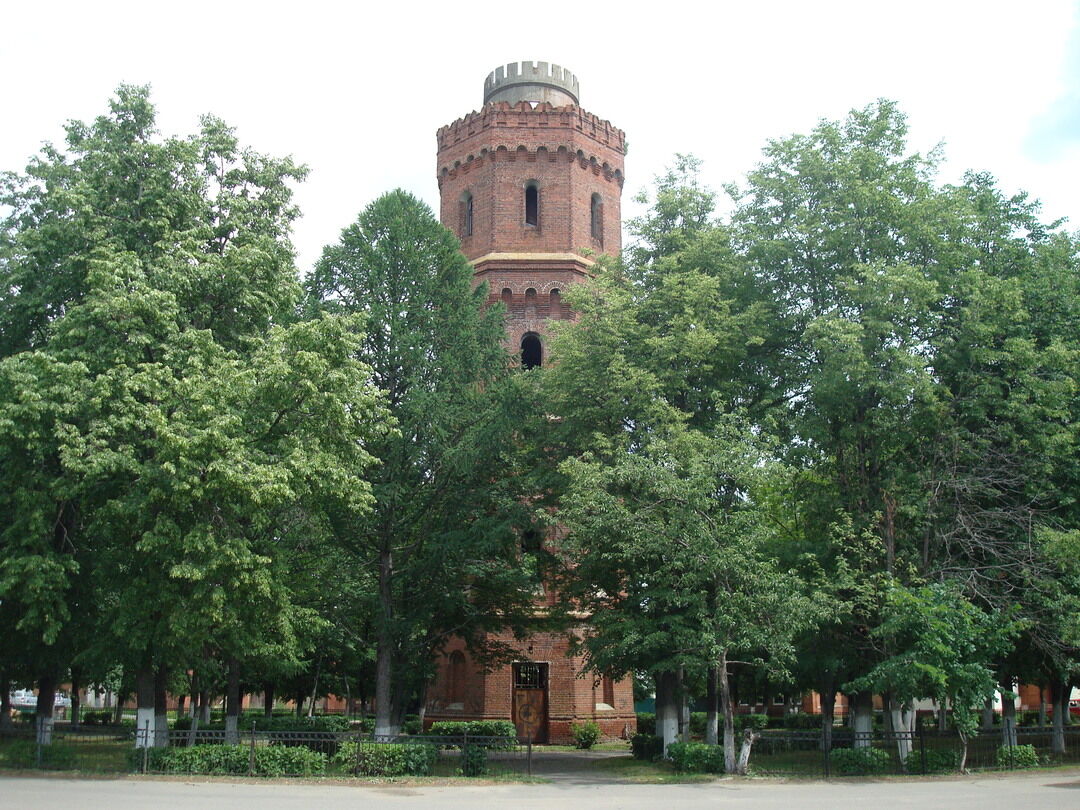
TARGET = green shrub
x,y
473,761
938,760
585,735
232,760
95,718
848,761
387,759
24,754
1017,756
412,724
646,723
646,747
476,728
696,757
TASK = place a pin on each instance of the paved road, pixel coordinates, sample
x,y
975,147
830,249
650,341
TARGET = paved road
x,y
1042,791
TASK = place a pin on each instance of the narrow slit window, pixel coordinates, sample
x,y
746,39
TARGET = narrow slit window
x,y
532,204
466,215
597,218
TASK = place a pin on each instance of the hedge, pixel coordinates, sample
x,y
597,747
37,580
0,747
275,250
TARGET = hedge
x,y
852,761
387,759
232,760
694,757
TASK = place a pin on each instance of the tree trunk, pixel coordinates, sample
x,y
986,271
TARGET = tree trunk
x,y
204,706
196,710
684,708
76,699
712,698
749,735
724,682
145,716
902,723
963,748
5,704
385,708
315,687
988,715
1008,715
667,707
181,705
299,703
161,709
1059,699
43,720
863,714
828,711
268,700
232,704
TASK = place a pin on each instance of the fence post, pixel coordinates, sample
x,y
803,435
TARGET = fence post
x,y
528,756
922,743
146,745
251,758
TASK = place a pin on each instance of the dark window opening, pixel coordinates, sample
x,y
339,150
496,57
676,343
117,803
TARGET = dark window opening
x,y
531,541
597,218
532,353
532,204
530,676
457,677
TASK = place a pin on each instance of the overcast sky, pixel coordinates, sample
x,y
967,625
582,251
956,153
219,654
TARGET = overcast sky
x,y
357,92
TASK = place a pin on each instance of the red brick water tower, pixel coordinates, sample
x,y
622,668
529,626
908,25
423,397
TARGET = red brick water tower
x,y
531,184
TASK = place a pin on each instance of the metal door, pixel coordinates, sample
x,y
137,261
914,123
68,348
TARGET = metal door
x,y
530,701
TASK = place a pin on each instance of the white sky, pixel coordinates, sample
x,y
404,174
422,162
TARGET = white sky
x,y
357,92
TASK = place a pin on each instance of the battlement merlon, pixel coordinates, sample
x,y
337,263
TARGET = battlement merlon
x,y
501,116
532,81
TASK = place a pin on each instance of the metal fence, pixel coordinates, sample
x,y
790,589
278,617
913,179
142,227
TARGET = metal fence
x,y
265,753
923,751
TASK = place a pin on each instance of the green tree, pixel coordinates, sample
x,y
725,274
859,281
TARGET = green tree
x,y
440,540
163,422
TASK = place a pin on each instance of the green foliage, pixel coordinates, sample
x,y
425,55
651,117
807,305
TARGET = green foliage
x,y
646,723
387,759
647,747
696,757
411,725
28,754
938,760
1017,756
859,761
473,760
585,735
439,548
233,760
473,728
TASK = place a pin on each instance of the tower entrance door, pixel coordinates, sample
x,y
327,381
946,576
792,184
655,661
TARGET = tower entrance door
x,y
531,701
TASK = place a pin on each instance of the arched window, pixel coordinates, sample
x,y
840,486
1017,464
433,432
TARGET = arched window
x,y
555,305
532,352
596,223
508,299
532,203
466,214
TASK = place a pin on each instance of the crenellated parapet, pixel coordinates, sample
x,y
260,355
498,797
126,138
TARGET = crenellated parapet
x,y
500,115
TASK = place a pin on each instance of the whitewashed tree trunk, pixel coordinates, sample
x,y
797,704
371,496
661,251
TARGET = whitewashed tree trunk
x,y
145,714
161,712
749,736
43,721
667,708
903,723
862,718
